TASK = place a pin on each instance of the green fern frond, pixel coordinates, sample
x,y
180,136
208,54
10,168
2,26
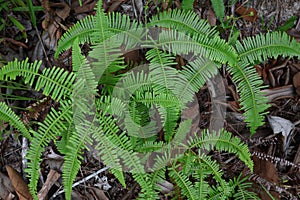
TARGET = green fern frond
x,y
257,49
243,185
249,86
77,142
183,182
219,8
55,81
128,31
77,57
183,21
213,48
81,30
55,123
213,167
223,141
202,186
197,72
8,115
20,68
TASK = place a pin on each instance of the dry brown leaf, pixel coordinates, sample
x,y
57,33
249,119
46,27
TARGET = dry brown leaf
x,y
296,82
211,17
267,171
61,9
52,177
99,194
6,187
249,14
18,183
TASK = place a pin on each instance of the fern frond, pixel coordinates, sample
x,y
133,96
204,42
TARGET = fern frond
x,y
55,81
257,49
77,57
213,167
20,68
8,115
183,182
243,186
223,141
77,142
201,185
251,98
81,30
183,21
213,48
197,72
219,8
128,31
55,123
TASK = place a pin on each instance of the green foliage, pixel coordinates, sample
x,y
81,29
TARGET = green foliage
x,y
8,115
219,8
120,121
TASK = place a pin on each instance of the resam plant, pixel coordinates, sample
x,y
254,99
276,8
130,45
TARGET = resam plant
x,y
119,116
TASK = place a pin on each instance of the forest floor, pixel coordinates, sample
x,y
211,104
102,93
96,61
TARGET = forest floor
x,y
275,146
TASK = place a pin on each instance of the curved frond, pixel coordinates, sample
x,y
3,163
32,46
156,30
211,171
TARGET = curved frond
x,y
251,98
55,81
56,122
257,49
183,21
20,68
77,142
183,182
81,30
8,115
213,48
223,141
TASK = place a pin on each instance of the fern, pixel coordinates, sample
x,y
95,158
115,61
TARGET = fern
x,y
55,123
120,121
55,82
223,142
8,115
184,21
219,8
259,48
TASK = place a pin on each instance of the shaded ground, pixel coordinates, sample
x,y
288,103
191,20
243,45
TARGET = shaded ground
x,y
276,157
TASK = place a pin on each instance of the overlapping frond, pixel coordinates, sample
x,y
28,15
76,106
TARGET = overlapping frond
x,y
183,182
252,101
55,124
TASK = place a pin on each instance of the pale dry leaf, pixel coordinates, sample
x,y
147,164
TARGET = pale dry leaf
x,y
283,126
18,183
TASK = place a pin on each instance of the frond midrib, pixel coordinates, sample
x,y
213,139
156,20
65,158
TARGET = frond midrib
x,y
231,60
183,181
244,54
